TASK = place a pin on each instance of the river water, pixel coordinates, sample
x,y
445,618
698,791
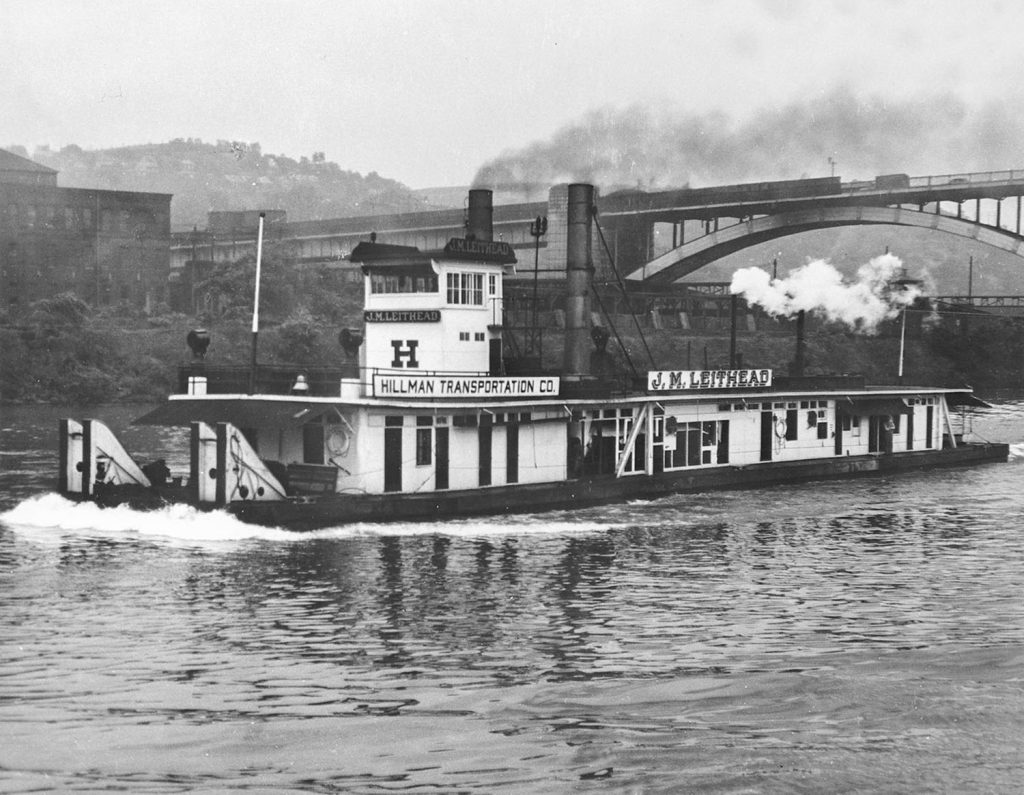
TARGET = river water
x,y
845,636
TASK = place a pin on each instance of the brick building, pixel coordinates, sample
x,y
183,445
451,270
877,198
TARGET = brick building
x,y
105,246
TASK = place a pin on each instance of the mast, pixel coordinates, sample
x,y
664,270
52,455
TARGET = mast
x,y
256,307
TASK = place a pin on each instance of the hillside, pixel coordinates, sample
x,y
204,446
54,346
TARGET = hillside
x,y
229,175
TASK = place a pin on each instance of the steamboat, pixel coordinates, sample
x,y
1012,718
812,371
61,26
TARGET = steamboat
x,y
430,421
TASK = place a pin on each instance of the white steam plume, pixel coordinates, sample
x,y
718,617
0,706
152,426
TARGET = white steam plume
x,y
819,288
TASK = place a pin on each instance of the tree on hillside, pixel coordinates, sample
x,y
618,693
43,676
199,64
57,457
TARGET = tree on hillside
x,y
228,175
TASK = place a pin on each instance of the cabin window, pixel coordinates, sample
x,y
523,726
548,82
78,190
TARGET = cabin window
x,y
411,280
424,441
492,284
466,289
697,444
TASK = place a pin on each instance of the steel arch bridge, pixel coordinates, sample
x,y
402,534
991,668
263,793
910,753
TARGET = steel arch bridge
x,y
689,257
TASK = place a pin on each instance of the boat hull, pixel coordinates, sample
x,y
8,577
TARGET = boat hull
x,y
340,509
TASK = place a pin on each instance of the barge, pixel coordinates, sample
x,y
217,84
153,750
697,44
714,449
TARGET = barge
x,y
430,420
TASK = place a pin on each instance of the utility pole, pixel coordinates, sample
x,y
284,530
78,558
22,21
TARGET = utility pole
x,y
538,228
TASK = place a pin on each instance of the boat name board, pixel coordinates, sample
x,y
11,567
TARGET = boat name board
x,y
402,316
670,380
480,248
463,386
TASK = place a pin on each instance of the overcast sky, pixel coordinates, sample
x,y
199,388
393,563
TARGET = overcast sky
x,y
426,91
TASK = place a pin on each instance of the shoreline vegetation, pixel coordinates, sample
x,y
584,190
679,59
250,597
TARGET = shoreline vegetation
x,y
62,351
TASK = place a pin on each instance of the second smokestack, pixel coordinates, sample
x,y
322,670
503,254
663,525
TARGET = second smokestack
x,y
579,275
480,219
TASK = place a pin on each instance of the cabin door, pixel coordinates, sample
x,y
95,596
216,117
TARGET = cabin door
x,y
486,429
839,433
767,431
512,452
874,434
392,454
441,457
495,357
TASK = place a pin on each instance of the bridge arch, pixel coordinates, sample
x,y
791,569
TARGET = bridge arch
x,y
689,257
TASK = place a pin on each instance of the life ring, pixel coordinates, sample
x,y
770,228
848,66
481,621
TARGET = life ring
x,y
338,442
780,427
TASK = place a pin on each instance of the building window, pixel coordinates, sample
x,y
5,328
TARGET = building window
x,y
463,336
466,289
492,285
478,336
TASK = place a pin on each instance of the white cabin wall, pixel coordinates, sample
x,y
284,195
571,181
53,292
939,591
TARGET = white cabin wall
x,y
352,463
464,348
368,467
807,445
464,456
542,452
744,437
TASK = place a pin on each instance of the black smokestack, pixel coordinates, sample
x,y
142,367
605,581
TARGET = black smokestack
x,y
579,274
480,220
800,360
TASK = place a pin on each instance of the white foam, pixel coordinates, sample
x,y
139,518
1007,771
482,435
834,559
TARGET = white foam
x,y
52,517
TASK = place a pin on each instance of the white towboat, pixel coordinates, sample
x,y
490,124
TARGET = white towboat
x,y
433,422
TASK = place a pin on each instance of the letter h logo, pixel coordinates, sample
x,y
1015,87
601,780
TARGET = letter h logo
x,y
408,352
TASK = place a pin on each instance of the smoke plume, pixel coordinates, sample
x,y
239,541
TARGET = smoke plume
x,y
655,148
819,288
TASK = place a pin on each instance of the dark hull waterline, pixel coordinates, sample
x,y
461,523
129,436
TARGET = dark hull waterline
x,y
311,513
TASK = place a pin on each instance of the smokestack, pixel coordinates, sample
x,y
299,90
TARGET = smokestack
x,y
801,347
579,273
480,223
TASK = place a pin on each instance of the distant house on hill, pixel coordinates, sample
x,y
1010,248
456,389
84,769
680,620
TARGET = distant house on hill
x,y
105,246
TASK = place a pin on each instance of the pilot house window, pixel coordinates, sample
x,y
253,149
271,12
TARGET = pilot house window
x,y
466,288
418,280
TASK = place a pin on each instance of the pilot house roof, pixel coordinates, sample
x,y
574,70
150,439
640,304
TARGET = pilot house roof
x,y
483,251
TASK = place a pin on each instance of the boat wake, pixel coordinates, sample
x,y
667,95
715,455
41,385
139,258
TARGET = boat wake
x,y
50,517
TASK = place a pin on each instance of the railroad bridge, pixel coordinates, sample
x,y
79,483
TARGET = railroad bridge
x,y
982,206
653,239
